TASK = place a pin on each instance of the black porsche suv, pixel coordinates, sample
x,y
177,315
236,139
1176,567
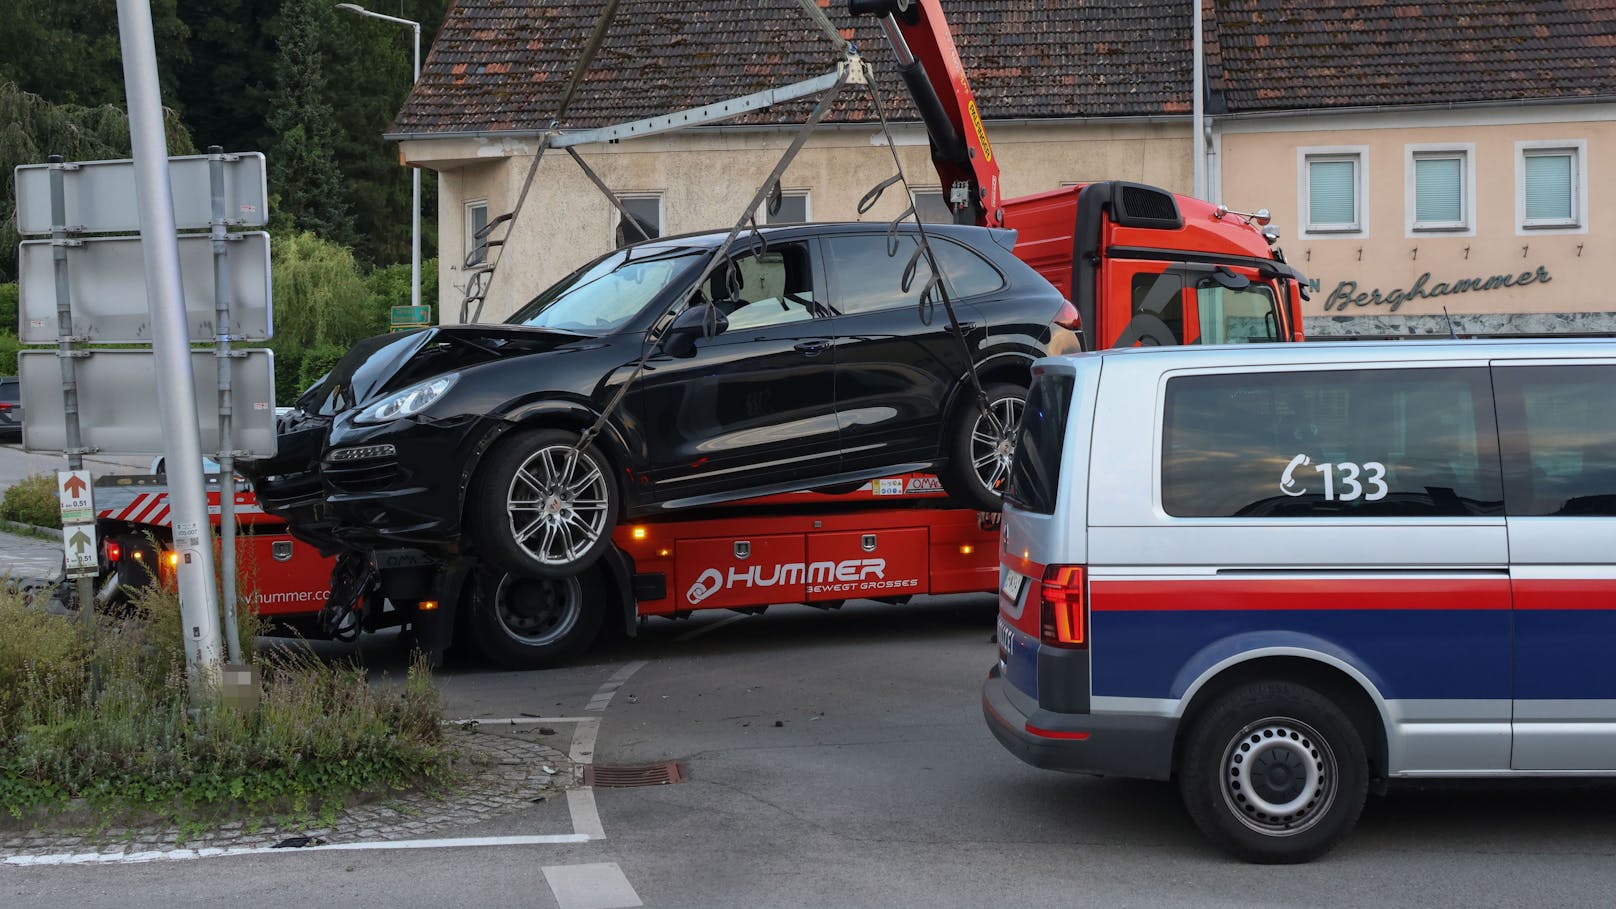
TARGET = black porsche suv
x,y
803,363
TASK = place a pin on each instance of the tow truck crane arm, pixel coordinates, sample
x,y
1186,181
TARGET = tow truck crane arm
x,y
929,63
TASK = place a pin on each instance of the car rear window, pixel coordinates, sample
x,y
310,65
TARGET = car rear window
x,y
1336,443
1035,470
9,390
1559,434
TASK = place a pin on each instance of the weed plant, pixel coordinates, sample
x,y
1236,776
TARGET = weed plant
x,y
100,718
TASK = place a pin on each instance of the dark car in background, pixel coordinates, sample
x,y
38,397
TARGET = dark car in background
x,y
10,408
805,361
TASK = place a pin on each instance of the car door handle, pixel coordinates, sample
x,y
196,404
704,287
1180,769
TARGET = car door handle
x,y
811,348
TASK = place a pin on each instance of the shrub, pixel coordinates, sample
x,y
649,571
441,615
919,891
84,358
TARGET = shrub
x,y
9,301
9,345
32,501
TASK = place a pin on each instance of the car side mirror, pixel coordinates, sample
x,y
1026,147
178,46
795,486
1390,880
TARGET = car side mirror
x,y
697,321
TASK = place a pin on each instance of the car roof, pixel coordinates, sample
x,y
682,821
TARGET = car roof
x,y
969,233
1199,356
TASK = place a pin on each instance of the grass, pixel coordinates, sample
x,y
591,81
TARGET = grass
x,y
99,719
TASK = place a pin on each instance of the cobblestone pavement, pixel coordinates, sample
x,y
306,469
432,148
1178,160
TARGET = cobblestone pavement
x,y
505,771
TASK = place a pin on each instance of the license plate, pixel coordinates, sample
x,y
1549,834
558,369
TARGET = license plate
x,y
1010,587
1007,641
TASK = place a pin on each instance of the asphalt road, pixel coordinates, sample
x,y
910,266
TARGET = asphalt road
x,y
840,759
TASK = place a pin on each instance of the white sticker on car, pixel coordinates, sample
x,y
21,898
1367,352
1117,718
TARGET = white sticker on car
x,y
1344,481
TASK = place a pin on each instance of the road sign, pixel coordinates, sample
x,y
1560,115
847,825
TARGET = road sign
x,y
101,194
80,546
107,286
118,403
73,491
406,318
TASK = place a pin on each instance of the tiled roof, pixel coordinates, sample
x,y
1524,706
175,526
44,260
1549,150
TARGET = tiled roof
x,y
503,65
1268,55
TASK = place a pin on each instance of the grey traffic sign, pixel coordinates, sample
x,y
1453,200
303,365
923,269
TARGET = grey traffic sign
x,y
107,289
118,402
101,194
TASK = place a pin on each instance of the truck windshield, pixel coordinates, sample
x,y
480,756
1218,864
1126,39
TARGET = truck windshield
x,y
1245,316
606,294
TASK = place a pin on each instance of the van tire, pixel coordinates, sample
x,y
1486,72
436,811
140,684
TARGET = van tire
x,y
534,623
588,491
1317,773
966,444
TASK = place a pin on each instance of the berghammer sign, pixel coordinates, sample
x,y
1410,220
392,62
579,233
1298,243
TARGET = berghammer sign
x,y
1346,293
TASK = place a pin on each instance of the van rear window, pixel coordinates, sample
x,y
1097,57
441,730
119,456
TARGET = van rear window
x,y
1359,443
1035,470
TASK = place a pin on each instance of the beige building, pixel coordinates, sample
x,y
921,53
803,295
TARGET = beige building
x,y
1406,174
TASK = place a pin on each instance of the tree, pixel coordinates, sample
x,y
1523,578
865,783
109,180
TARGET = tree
x,y
69,53
224,83
304,176
32,128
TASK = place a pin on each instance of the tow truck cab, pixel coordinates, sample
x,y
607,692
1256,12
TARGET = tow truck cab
x,y
1145,267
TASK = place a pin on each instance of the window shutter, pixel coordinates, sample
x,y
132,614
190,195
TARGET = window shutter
x,y
1548,187
1332,199
1438,190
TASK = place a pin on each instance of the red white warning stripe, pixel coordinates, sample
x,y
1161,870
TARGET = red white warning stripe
x,y
151,509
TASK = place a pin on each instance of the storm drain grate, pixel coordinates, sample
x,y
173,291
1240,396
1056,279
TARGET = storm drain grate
x,y
628,776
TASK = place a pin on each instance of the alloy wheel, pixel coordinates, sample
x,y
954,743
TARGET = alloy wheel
x,y
993,442
557,503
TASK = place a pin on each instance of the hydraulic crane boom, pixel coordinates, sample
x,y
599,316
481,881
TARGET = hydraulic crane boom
x,y
929,62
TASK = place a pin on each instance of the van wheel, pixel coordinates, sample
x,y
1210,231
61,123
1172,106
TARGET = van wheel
x,y
980,445
534,623
1274,772
543,508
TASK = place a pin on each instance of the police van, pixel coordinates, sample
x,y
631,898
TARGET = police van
x,y
1283,575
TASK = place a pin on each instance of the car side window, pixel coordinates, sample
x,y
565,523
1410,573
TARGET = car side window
x,y
1332,443
869,280
775,287
1559,438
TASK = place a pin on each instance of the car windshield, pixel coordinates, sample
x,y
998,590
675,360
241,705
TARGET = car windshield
x,y
602,297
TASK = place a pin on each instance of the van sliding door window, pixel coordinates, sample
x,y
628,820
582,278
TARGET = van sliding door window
x,y
1040,438
1559,433
1336,443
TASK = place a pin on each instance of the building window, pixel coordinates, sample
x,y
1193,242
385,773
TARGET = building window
x,y
931,207
1551,192
476,220
794,209
1333,192
646,209
1440,186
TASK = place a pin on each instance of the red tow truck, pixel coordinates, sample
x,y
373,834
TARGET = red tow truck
x,y
1140,265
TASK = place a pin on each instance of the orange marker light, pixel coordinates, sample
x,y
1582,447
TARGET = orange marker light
x,y
638,533
427,605
664,553
966,549
172,559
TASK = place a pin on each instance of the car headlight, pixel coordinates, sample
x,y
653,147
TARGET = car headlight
x,y
409,401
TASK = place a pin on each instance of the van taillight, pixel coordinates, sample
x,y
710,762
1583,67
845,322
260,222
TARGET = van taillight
x,y
1064,618
1068,318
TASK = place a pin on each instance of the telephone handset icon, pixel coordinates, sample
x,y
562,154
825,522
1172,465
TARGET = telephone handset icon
x,y
1287,483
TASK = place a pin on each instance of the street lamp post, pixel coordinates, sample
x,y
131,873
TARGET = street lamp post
x,y
415,172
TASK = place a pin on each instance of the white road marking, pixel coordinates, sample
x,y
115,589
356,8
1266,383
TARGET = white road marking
x,y
698,632
596,886
180,855
603,696
585,816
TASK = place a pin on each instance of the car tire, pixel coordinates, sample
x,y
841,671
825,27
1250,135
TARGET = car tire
x,y
978,447
534,623
541,507
1274,773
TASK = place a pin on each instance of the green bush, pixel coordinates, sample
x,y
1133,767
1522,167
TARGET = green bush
x,y
9,301
32,501
390,287
121,736
9,345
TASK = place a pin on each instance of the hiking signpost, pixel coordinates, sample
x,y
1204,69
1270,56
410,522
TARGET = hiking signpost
x,y
79,545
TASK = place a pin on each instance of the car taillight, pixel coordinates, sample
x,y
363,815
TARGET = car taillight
x,y
114,551
1068,318
1063,618
6,405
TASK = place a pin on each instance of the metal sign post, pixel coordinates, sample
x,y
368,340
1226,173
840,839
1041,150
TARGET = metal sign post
x,y
227,446
67,353
177,394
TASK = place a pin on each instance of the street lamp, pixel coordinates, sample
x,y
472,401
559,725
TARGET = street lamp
x,y
415,172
